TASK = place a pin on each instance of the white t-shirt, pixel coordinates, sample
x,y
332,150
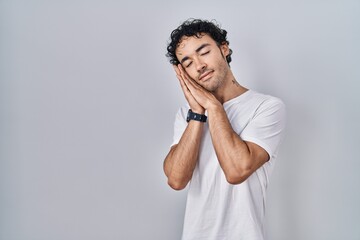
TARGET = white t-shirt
x,y
215,209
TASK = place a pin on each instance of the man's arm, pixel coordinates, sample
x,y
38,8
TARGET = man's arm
x,y
180,162
238,158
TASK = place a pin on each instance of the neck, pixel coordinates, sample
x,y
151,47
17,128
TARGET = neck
x,y
231,89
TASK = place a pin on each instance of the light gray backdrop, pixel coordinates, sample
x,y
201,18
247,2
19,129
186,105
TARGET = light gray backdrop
x,y
88,99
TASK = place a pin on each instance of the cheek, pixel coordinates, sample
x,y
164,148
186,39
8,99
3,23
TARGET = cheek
x,y
191,71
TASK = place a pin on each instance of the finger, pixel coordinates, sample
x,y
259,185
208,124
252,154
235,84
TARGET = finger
x,y
183,72
187,78
180,74
184,88
192,85
188,95
183,85
177,71
180,67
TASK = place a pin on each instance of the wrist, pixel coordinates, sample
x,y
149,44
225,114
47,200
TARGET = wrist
x,y
214,107
198,110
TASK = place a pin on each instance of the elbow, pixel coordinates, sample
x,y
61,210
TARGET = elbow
x,y
177,185
234,180
175,182
236,177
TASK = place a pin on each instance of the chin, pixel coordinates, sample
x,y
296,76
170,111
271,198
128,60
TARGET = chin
x,y
212,87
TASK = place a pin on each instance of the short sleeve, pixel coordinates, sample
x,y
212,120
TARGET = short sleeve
x,y
180,125
266,128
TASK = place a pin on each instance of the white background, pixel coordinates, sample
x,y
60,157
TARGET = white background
x,y
88,100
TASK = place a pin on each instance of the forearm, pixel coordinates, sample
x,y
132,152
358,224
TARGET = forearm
x,y
180,162
232,152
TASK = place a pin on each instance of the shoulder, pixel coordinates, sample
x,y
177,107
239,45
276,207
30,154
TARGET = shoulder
x,y
266,101
265,97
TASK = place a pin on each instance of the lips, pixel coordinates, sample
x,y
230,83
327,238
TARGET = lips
x,y
204,75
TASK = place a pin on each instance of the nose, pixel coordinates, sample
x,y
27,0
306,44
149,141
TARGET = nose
x,y
200,65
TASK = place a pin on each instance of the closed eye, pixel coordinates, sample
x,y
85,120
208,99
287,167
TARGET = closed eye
x,y
204,53
188,65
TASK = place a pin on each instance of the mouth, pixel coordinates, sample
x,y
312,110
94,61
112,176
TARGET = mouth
x,y
205,75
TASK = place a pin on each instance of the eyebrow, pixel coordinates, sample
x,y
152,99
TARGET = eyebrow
x,y
197,50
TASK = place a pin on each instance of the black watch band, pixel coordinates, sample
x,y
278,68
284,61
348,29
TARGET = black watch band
x,y
195,116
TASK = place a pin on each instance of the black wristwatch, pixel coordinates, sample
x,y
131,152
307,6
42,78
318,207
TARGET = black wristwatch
x,y
195,116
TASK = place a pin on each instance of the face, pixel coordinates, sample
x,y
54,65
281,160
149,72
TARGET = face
x,y
204,61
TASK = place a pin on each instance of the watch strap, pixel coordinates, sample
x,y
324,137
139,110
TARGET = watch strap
x,y
196,116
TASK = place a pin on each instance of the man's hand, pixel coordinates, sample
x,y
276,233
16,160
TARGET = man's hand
x,y
183,76
194,92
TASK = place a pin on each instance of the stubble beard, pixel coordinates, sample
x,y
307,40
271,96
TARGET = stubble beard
x,y
218,80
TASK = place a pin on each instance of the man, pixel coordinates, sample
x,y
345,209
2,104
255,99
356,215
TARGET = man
x,y
225,140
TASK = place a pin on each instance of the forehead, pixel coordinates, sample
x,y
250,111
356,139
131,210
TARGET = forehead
x,y
188,45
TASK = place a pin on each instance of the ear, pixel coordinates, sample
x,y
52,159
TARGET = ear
x,y
225,49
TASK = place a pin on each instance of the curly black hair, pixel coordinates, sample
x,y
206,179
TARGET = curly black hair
x,y
196,27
